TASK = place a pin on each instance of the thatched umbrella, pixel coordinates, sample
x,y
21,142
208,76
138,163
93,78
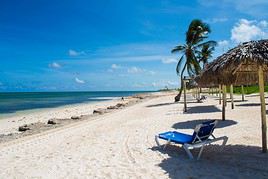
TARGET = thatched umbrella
x,y
242,65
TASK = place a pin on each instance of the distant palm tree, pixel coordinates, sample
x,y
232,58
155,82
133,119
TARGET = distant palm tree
x,y
197,32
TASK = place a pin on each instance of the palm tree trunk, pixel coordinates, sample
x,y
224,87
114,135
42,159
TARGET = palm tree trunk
x,y
178,97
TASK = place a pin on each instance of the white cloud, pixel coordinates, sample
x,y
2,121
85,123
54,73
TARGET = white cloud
x,y
75,53
172,83
77,80
223,43
263,23
130,70
115,66
54,65
154,84
169,60
257,8
222,46
217,20
246,30
152,72
139,85
135,70
164,83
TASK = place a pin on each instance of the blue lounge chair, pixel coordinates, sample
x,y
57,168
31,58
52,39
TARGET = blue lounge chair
x,y
201,137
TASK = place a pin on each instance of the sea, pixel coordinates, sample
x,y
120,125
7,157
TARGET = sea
x,y
16,102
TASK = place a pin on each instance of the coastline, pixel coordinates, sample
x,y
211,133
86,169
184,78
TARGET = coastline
x,y
22,113
37,119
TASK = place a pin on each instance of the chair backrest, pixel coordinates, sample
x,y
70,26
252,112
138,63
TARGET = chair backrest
x,y
204,130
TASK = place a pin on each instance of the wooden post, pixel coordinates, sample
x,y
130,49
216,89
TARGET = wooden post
x,y
243,93
232,95
211,91
263,110
198,90
223,101
225,95
184,91
220,92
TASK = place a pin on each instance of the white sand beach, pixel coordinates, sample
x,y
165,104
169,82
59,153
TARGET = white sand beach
x,y
11,124
120,144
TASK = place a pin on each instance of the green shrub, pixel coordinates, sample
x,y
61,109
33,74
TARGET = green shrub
x,y
247,89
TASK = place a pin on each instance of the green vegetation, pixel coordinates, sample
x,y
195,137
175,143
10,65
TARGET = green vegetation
x,y
247,89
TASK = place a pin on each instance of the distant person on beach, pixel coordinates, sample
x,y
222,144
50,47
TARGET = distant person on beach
x,y
122,99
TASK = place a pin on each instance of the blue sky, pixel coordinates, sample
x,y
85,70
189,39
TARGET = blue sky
x,y
64,45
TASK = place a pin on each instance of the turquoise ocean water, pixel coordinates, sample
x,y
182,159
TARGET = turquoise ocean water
x,y
14,102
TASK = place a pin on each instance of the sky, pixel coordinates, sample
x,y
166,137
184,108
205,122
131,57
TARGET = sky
x,y
112,45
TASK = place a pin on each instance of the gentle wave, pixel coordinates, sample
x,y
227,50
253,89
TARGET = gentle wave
x,y
105,98
13,102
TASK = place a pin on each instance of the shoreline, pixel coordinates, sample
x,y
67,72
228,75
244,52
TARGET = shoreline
x,y
30,102
36,110
37,120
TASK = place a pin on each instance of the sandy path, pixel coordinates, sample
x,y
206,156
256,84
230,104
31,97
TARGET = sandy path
x,y
121,145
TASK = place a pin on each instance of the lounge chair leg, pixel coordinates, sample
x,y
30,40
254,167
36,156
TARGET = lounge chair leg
x,y
158,144
188,152
224,140
168,142
200,152
156,140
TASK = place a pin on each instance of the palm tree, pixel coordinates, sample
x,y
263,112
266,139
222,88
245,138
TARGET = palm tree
x,y
197,32
205,54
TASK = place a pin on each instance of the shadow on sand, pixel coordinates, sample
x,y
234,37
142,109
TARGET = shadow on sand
x,y
252,95
234,161
189,102
193,123
239,100
202,109
249,104
160,104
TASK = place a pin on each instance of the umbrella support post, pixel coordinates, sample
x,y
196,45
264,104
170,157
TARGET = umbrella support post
x,y
220,90
232,95
263,110
225,95
199,93
223,101
243,93
184,91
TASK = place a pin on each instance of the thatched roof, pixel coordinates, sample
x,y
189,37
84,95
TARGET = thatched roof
x,y
238,66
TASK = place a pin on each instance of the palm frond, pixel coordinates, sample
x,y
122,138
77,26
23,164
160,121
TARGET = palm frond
x,y
179,48
195,51
210,43
197,32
